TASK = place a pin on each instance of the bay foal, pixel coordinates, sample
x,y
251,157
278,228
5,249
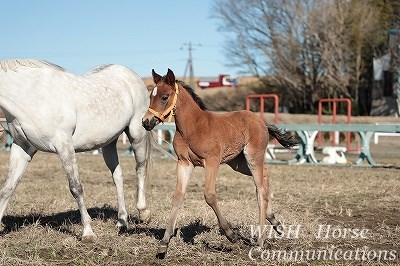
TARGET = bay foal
x,y
207,139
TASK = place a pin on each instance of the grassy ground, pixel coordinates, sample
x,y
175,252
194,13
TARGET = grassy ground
x,y
42,225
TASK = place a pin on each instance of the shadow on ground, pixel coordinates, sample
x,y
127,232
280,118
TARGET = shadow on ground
x,y
58,221
187,232
62,221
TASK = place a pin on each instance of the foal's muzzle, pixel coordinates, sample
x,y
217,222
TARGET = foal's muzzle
x,y
149,124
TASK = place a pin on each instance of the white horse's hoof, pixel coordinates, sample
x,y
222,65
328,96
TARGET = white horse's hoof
x,y
144,216
89,239
122,224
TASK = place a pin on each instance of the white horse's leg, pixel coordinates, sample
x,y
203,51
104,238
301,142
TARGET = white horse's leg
x,y
110,156
67,156
140,156
141,146
19,159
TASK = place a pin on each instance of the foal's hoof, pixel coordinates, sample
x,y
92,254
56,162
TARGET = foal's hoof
x,y
162,251
89,239
278,228
144,216
232,237
260,242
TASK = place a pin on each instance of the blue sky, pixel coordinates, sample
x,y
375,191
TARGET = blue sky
x,y
80,34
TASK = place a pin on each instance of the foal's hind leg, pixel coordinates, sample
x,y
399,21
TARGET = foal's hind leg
x,y
270,214
240,165
110,156
20,156
67,156
255,161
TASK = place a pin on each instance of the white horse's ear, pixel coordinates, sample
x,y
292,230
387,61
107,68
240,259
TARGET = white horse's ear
x,y
150,89
170,79
156,78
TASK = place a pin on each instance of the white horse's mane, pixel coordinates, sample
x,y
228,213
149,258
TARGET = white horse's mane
x,y
98,69
13,64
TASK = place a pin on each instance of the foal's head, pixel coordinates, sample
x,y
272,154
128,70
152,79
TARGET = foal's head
x,y
162,100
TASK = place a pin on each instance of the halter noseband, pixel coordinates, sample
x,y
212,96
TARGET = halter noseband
x,y
170,111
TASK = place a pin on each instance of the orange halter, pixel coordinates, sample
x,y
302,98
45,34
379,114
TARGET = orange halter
x,y
170,111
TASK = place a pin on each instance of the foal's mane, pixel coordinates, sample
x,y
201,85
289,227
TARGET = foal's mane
x,y
13,64
195,97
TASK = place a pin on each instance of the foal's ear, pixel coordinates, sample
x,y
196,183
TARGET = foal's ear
x,y
156,78
170,78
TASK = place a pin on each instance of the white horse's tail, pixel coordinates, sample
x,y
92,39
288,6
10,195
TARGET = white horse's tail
x,y
155,144
149,166
150,143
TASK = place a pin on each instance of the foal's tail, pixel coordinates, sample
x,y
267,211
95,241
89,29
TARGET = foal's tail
x,y
286,139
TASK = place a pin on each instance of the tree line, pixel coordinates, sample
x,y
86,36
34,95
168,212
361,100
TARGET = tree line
x,y
308,49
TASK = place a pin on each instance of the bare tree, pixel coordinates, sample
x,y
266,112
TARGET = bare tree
x,y
305,47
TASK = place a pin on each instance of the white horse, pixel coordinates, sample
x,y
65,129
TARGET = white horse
x,y
51,110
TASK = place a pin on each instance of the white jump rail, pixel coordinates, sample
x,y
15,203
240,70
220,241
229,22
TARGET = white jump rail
x,y
308,132
384,134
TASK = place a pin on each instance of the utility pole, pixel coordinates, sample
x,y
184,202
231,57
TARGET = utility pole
x,y
189,64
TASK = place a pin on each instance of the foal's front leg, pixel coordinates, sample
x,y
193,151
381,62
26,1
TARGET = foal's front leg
x,y
210,196
184,171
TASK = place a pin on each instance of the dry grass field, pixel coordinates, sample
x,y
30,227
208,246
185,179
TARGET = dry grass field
x,y
360,206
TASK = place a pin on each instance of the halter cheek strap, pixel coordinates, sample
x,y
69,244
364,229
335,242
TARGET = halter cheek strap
x,y
170,111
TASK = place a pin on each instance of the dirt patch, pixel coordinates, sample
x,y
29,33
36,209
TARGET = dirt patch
x,y
42,225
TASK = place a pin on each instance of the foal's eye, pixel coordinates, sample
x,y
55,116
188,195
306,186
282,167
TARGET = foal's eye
x,y
164,98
